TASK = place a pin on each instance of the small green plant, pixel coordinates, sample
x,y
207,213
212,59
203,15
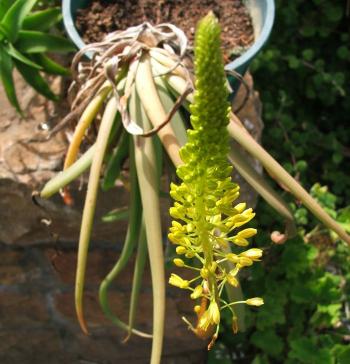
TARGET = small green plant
x,y
24,42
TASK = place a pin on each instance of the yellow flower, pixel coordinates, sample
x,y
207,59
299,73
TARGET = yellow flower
x,y
197,292
244,262
181,250
178,262
253,254
177,281
256,301
214,312
247,233
210,317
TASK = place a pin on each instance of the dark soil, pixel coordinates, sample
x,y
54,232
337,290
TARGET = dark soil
x,y
104,16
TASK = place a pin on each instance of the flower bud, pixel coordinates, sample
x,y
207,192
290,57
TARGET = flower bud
x,y
197,308
232,258
189,255
238,240
256,301
213,267
235,324
247,233
232,280
197,292
214,313
178,262
177,281
204,273
245,262
240,207
181,250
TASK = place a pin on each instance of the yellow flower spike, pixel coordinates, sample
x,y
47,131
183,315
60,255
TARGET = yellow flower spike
x,y
177,281
254,254
178,262
197,292
204,200
256,301
247,233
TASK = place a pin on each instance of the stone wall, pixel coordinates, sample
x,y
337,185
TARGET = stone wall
x,y
37,263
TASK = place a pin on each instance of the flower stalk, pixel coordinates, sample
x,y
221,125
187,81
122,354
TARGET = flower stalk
x,y
204,201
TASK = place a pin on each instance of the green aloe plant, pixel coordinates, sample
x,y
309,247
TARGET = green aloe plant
x,y
24,44
134,86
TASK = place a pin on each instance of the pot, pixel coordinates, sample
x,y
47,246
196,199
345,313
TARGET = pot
x,y
262,13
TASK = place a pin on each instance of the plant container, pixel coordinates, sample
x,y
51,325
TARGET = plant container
x,y
262,13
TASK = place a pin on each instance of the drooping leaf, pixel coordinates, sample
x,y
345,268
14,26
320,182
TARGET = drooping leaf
x,y
49,66
6,68
13,19
34,79
13,52
42,20
116,215
115,163
38,42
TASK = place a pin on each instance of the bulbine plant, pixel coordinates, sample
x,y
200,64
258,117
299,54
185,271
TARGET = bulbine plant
x,y
132,90
24,42
204,201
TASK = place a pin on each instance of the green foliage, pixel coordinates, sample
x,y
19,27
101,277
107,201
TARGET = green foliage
x,y
304,75
24,40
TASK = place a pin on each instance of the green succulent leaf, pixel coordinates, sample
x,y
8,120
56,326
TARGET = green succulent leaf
x,y
49,66
114,165
6,68
4,6
38,42
42,20
13,19
34,79
14,53
116,215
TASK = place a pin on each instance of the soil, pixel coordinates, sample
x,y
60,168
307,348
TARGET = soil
x,y
104,16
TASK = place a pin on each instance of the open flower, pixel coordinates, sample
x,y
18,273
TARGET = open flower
x,y
253,254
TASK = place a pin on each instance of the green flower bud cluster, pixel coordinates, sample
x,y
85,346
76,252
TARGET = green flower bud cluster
x,y
204,205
